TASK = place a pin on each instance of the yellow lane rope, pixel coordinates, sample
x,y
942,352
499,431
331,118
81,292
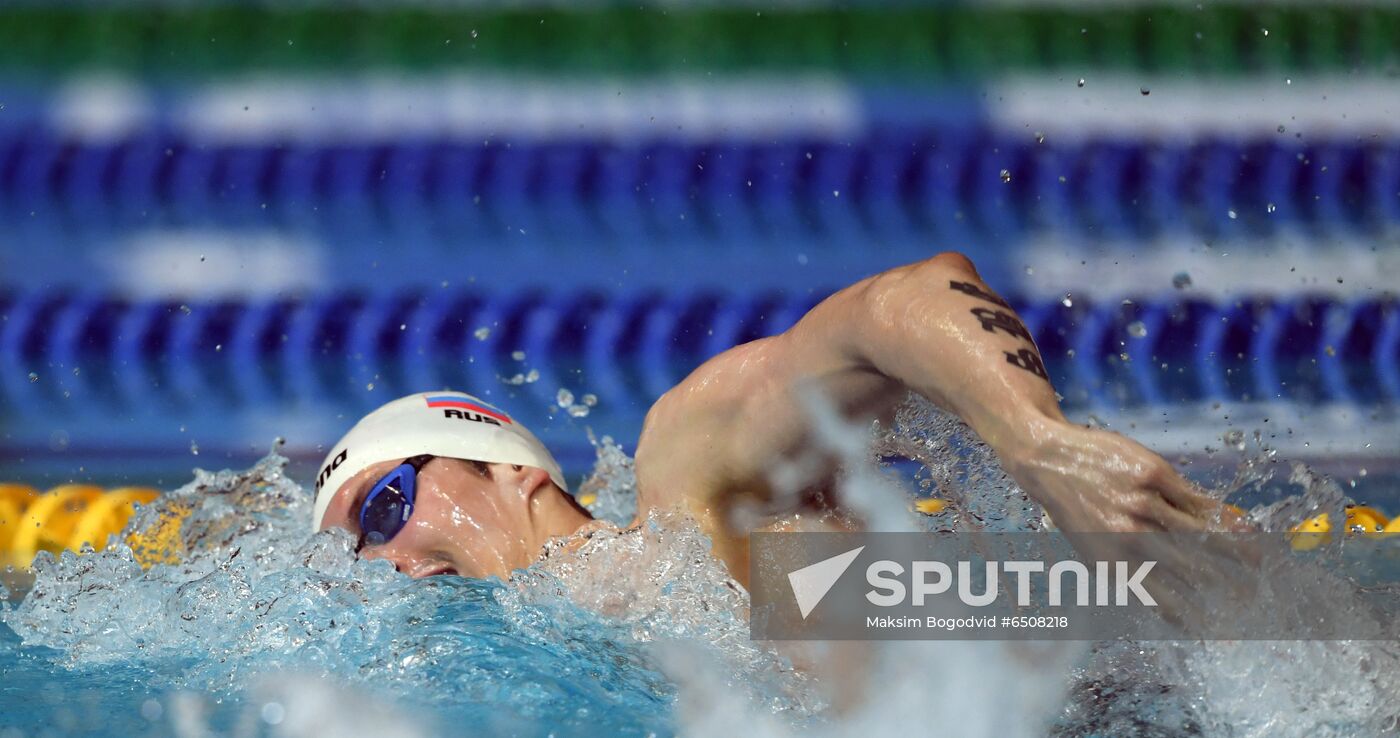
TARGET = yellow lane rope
x,y
70,515
63,518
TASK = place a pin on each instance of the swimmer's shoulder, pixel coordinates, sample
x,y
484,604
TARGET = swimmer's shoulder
x,y
685,452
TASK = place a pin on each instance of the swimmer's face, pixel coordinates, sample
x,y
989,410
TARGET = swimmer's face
x,y
476,520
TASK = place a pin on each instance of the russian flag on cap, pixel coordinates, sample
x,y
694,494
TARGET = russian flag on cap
x,y
467,403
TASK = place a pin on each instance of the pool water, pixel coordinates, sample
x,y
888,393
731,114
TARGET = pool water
x,y
258,629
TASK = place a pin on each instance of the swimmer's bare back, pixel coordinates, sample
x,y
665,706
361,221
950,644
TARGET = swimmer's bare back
x,y
934,328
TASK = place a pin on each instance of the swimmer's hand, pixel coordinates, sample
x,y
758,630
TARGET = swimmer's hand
x,y
1095,480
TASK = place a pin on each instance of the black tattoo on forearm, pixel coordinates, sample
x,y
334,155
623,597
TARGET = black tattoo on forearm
x,y
996,319
1029,360
993,320
972,290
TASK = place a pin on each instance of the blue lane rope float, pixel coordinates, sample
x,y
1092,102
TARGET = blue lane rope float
x,y
953,184
168,354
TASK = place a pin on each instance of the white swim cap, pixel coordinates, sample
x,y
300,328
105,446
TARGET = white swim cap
x,y
451,424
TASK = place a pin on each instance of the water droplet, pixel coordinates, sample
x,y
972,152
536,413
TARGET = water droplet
x,y
1145,92
370,386
564,398
836,193
1005,175
218,347
590,399
482,333
1234,439
1233,215
1029,271
33,376
1081,81
1068,301
272,713
474,33
578,411
185,309
1181,280
532,376
1039,137
1136,329
1270,208
201,257
1331,351
1280,128
77,371
194,448
1265,30
403,326
517,355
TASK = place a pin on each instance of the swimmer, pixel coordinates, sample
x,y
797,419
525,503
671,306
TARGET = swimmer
x,y
445,483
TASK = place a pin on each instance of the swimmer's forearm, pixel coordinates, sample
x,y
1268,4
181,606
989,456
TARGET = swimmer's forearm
x,y
937,328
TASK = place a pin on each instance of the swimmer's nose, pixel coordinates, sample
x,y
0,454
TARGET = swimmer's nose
x,y
379,552
414,566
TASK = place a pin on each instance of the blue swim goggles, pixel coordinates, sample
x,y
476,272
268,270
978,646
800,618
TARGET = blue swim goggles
x,y
389,503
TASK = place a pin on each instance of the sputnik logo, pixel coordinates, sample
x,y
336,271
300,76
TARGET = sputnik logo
x,y
811,583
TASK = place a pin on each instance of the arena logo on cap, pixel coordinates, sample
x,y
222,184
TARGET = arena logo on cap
x,y
331,467
452,404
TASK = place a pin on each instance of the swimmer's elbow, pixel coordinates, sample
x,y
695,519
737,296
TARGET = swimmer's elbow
x,y
900,284
953,260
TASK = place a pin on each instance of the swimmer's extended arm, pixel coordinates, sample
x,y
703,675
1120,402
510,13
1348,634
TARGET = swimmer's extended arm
x,y
934,328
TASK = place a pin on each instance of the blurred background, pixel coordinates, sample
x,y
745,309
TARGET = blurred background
x,y
224,223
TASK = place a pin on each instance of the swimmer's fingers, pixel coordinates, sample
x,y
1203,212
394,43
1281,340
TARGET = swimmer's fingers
x,y
1226,524
1217,571
1212,513
1171,584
